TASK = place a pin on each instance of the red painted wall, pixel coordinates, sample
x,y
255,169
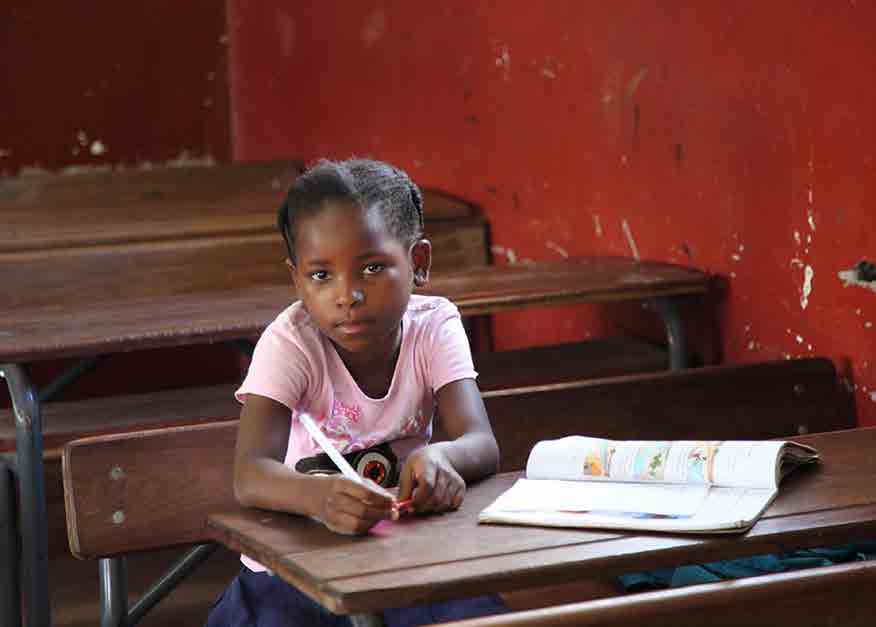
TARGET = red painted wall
x,y
735,137
116,84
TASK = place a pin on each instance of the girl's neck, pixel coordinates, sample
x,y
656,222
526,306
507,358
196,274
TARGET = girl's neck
x,y
373,370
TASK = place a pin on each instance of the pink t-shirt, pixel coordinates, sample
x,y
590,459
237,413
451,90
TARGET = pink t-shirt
x,y
296,365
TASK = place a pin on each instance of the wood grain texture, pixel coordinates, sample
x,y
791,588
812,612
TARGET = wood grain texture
x,y
171,305
573,361
449,556
742,401
66,421
127,206
58,211
829,595
440,557
146,489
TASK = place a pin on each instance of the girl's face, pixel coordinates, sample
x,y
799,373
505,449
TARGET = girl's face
x,y
355,278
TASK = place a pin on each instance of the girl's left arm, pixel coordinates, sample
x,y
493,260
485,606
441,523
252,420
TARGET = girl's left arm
x,y
435,476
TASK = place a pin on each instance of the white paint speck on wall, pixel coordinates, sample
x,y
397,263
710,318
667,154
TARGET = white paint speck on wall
x,y
808,273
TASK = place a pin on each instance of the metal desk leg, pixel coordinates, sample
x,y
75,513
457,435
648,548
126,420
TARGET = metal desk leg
x,y
366,620
113,592
667,307
34,535
10,593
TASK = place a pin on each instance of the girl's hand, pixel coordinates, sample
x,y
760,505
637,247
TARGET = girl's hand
x,y
350,507
432,481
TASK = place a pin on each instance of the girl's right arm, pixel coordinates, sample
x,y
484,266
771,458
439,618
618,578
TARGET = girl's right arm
x,y
261,479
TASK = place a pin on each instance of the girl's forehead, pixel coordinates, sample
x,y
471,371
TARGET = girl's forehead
x,y
343,226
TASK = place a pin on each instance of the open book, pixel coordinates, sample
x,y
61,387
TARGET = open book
x,y
691,487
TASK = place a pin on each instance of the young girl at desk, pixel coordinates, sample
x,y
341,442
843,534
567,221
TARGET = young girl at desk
x,y
372,364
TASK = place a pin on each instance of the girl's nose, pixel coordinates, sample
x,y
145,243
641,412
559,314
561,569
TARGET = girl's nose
x,y
350,296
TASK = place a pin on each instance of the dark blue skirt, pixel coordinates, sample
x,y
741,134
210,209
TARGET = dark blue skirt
x,y
263,600
747,567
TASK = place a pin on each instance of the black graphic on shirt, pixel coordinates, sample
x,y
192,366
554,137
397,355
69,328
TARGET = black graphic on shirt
x,y
377,463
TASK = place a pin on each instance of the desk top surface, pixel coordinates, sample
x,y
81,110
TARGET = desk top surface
x,y
422,559
115,326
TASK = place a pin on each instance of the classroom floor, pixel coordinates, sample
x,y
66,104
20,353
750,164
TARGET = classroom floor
x,y
75,591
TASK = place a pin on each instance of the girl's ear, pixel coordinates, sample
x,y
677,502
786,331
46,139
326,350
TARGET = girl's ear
x,y
291,267
421,261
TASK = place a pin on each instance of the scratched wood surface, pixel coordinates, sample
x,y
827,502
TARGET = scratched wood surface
x,y
449,556
148,296
768,400
123,206
815,597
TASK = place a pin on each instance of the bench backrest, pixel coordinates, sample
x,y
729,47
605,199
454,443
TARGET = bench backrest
x,y
123,206
828,595
146,489
69,239
168,267
745,401
150,489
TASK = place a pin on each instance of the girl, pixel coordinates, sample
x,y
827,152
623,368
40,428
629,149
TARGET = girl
x,y
372,364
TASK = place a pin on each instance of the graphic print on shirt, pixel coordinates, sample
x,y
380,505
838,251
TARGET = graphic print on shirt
x,y
378,463
341,425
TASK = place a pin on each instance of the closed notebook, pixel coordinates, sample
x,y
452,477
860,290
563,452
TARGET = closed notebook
x,y
681,486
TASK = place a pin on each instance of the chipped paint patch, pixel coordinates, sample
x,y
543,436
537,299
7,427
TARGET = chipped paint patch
x,y
557,248
503,61
97,148
374,28
4,153
508,253
850,278
808,273
633,85
810,217
629,235
797,238
550,68
873,396
597,225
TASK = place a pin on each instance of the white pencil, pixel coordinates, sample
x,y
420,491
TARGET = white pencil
x,y
330,450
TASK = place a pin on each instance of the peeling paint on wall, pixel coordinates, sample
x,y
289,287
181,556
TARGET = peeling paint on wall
x,y
808,273
634,83
557,248
374,28
629,235
503,61
862,275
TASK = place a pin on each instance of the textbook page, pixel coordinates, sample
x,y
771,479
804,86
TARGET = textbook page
x,y
685,486
727,463
717,509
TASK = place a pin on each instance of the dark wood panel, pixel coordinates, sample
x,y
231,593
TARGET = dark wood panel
x,y
144,490
831,595
66,421
191,315
744,401
124,206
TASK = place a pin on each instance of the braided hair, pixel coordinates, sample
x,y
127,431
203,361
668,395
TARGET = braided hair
x,y
364,182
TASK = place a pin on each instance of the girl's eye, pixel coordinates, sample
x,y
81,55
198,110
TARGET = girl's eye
x,y
374,268
319,276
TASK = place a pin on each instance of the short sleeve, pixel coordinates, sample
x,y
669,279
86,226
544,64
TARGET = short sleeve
x,y
449,356
278,369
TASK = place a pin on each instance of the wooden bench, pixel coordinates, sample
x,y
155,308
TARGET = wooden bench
x,y
122,207
827,595
146,490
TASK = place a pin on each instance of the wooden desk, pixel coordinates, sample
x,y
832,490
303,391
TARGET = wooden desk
x,y
139,320
427,559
